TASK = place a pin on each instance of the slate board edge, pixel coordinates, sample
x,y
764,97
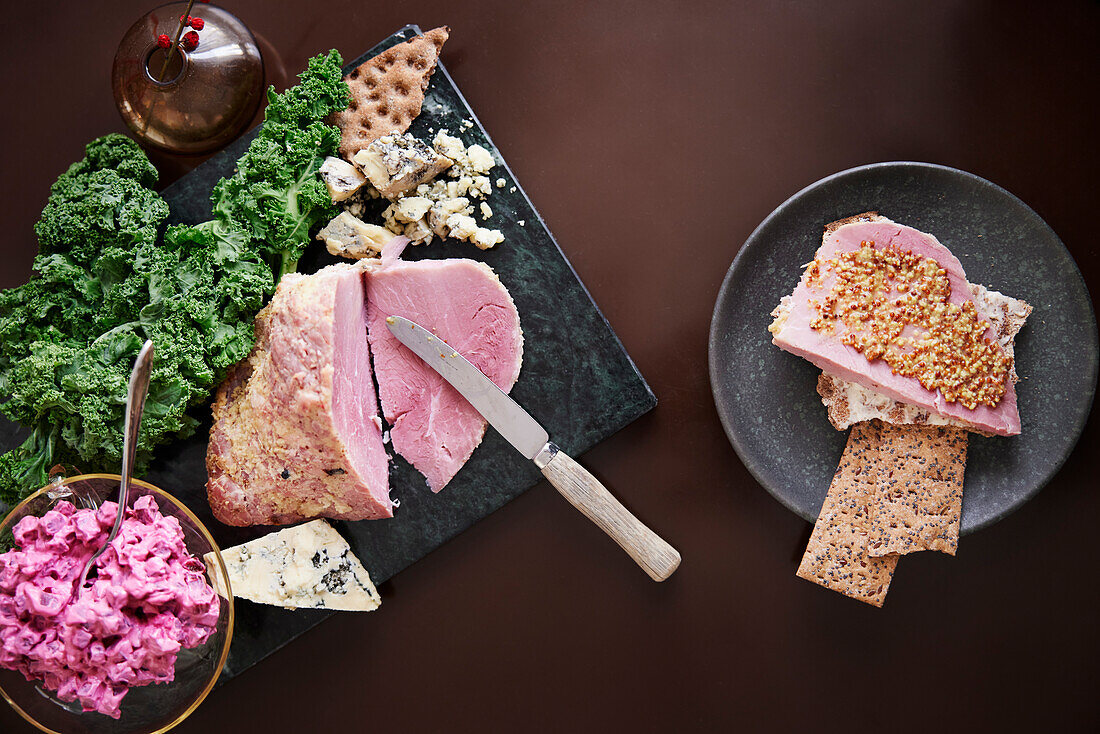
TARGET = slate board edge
x,y
653,397
240,145
715,333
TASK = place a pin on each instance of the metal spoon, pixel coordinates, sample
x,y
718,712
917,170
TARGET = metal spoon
x,y
135,404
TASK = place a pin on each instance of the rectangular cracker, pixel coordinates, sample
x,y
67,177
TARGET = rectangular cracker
x,y
836,556
920,488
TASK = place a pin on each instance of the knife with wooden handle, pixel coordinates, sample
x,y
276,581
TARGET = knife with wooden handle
x,y
573,481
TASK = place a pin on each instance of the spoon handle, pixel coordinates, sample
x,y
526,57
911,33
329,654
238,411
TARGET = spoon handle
x,y
135,404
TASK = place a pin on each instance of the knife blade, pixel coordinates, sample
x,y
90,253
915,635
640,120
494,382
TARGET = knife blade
x,y
511,421
574,482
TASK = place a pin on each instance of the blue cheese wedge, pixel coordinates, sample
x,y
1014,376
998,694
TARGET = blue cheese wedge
x,y
309,566
341,178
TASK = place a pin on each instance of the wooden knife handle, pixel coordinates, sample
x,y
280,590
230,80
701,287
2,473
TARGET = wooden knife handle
x,y
584,491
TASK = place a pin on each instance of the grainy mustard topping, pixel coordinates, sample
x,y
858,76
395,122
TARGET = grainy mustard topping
x,y
894,305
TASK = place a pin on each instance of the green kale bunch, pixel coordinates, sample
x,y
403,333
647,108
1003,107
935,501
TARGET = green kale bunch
x,y
103,283
109,275
276,194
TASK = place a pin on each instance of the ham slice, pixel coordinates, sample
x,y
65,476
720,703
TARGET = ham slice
x,y
792,332
849,403
466,305
296,431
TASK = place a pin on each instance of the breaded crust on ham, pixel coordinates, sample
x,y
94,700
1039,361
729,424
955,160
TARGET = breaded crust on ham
x,y
296,432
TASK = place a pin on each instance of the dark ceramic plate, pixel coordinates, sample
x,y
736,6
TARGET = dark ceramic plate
x,y
767,398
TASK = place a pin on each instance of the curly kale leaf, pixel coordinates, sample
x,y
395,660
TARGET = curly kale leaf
x,y
29,464
276,194
113,152
228,285
93,211
321,91
194,296
60,302
102,285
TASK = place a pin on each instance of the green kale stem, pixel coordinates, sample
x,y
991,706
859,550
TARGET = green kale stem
x,y
27,468
287,264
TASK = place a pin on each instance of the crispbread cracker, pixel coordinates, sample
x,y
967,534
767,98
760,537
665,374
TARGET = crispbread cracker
x,y
854,219
920,488
836,556
388,90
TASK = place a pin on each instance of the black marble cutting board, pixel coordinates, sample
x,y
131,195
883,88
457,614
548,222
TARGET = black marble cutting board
x,y
576,380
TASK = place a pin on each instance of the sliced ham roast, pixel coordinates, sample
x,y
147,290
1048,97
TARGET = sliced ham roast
x,y
296,431
792,331
466,305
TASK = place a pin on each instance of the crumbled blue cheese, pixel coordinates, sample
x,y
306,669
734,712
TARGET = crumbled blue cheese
x,y
462,226
309,566
480,187
450,146
479,159
341,178
485,238
441,207
418,231
356,207
411,208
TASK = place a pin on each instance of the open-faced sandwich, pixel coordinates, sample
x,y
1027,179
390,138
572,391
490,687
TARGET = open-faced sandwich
x,y
913,357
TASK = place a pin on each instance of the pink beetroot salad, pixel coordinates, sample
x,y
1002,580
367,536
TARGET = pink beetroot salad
x,y
148,600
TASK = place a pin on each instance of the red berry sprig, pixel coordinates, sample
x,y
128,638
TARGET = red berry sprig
x,y
188,42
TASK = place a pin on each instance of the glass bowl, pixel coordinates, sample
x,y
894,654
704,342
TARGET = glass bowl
x,y
145,709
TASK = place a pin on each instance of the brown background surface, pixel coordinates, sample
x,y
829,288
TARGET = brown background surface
x,y
653,137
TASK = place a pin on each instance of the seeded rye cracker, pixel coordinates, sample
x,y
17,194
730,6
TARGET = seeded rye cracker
x,y
836,556
388,90
920,486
